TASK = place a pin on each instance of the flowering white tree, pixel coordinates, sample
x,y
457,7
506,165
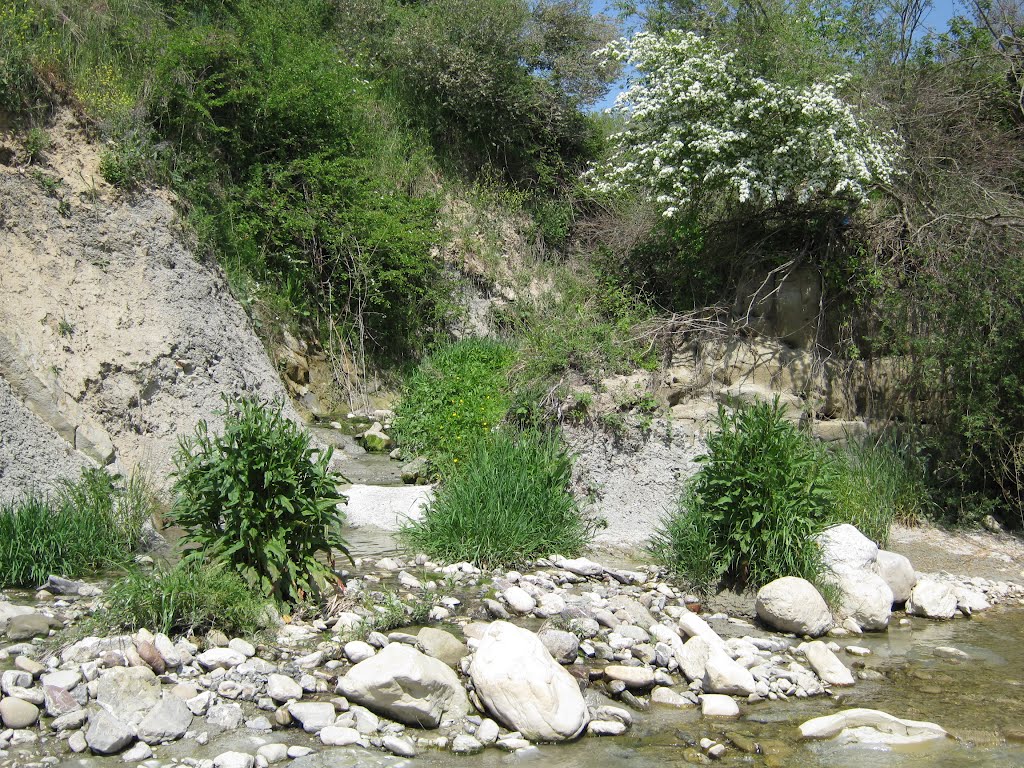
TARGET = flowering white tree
x,y
700,128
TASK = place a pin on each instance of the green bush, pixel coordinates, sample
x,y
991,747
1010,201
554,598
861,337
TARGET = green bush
x,y
259,499
508,503
27,52
458,392
87,526
190,597
749,514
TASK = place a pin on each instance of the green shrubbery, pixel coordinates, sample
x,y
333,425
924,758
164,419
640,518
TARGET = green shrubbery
x,y
508,503
258,499
86,526
458,392
765,489
190,597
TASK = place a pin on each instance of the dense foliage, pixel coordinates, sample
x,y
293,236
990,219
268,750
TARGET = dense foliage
x,y
458,392
765,488
87,526
259,499
508,503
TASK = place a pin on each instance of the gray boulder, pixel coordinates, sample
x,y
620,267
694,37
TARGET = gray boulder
x,y
128,693
791,604
405,685
844,548
107,735
563,646
932,599
167,721
866,598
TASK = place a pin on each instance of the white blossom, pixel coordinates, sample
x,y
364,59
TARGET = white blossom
x,y
698,124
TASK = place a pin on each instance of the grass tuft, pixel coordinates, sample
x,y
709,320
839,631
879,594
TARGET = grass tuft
x,y
507,503
89,525
185,599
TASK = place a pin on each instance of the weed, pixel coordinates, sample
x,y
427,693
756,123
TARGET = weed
x,y
37,141
88,525
258,498
750,513
65,328
190,597
507,504
49,184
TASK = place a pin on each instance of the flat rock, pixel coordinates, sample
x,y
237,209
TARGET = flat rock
x,y
523,687
337,736
128,693
234,760
718,705
633,677
442,645
27,626
405,685
871,726
312,715
167,721
791,604
224,658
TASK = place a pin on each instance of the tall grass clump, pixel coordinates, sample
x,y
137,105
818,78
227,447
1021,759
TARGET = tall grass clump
x,y
877,484
92,524
750,513
259,499
457,393
190,597
508,503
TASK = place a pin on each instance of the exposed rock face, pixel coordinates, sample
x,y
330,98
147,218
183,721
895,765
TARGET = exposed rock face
x,y
932,599
406,685
898,573
139,364
523,687
871,726
792,604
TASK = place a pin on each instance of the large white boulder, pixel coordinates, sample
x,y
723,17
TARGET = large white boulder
x,y
866,598
522,687
128,693
932,599
792,604
844,548
405,685
871,726
898,573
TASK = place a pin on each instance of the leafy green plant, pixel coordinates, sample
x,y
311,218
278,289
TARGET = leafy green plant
x,y
508,503
456,393
750,513
259,499
89,525
37,141
190,597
